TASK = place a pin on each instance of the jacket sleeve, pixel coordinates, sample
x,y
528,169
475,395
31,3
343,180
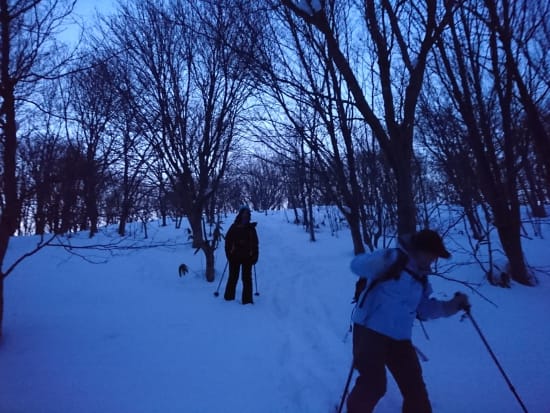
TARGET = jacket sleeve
x,y
255,246
229,242
430,308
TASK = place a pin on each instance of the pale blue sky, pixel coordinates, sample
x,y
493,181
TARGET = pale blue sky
x,y
84,14
87,7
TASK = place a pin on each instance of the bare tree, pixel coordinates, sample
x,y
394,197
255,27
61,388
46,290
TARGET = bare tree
x,y
532,183
191,88
399,36
379,211
443,136
94,104
299,78
476,75
26,35
262,179
134,155
519,26
41,156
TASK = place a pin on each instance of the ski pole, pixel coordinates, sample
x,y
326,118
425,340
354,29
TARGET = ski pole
x,y
469,315
256,281
217,292
345,393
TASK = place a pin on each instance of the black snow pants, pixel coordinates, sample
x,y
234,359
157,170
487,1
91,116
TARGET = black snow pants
x,y
231,286
372,353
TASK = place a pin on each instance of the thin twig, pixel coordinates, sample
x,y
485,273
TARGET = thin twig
x,y
470,285
37,248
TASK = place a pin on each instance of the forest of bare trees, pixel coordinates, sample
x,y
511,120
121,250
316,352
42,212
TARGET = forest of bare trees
x,y
185,109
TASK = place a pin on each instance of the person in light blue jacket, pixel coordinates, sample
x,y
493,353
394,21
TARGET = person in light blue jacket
x,y
396,291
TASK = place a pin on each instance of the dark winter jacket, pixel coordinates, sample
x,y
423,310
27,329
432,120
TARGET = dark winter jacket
x,y
241,243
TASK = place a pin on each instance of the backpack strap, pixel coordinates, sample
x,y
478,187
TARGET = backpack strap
x,y
393,272
422,279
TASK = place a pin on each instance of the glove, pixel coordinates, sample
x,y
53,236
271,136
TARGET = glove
x,y
460,302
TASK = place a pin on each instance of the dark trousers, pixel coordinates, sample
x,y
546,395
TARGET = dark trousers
x,y
234,268
372,353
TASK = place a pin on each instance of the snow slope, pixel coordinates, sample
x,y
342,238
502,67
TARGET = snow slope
x,y
121,332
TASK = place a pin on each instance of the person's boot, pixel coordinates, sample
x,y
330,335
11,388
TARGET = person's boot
x,y
229,294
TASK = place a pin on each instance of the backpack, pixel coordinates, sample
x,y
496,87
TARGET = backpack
x,y
393,272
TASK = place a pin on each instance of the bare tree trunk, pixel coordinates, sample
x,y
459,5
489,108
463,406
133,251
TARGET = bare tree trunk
x,y
10,209
355,228
210,271
195,222
91,214
474,221
509,231
311,226
124,214
406,208
1,302
200,242
532,194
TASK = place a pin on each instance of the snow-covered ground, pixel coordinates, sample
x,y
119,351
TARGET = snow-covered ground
x,y
127,335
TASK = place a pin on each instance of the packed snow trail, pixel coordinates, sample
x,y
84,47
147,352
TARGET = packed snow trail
x,y
302,297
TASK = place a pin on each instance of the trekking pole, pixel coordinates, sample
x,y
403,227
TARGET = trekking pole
x,y
217,292
256,281
346,388
469,315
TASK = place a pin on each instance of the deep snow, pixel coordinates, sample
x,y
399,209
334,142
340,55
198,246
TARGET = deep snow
x,y
121,332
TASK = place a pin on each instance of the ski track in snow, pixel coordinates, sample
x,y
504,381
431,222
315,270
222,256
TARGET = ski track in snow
x,y
290,307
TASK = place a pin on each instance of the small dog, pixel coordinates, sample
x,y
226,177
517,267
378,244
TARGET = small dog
x,y
183,269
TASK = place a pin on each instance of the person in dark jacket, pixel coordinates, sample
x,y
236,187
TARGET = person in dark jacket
x,y
397,291
241,250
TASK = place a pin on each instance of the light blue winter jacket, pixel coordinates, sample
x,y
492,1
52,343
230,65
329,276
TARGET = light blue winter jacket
x,y
391,306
